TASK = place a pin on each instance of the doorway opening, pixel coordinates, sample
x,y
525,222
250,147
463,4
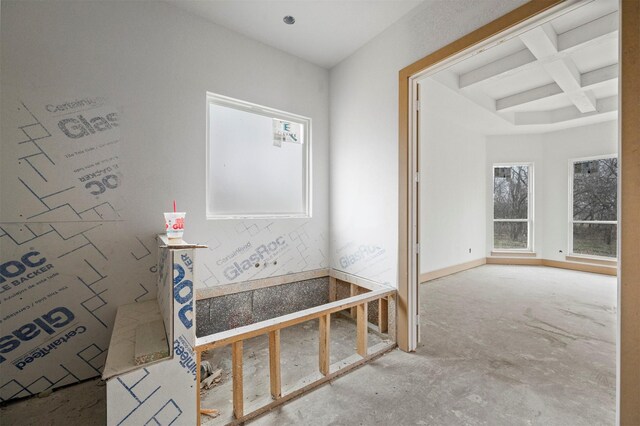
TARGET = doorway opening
x,y
546,35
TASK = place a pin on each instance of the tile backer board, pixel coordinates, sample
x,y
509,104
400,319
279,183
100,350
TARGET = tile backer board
x,y
65,230
163,392
122,347
70,276
122,249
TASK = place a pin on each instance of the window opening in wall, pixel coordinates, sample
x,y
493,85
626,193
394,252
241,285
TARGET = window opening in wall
x,y
258,161
512,201
594,207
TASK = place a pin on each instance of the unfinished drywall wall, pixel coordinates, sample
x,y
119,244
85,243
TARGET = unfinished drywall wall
x,y
452,182
364,131
103,125
550,153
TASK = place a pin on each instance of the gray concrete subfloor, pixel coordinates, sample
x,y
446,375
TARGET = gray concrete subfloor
x,y
501,345
79,404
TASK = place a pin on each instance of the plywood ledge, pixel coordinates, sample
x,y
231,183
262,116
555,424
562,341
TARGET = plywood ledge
x,y
443,272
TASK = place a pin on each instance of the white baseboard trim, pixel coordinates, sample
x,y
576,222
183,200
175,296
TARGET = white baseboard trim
x,y
501,260
574,266
443,272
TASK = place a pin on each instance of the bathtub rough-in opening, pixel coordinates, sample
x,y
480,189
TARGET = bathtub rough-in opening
x,y
264,346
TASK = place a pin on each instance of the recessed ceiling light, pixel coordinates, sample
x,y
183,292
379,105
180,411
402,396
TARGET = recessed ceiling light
x,y
289,20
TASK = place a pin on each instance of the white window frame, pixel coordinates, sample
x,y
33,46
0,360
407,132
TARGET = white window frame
x,y
215,99
572,161
530,210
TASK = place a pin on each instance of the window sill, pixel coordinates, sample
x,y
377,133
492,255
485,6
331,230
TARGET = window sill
x,y
506,253
592,260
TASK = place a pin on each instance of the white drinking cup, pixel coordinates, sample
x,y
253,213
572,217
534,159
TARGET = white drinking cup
x,y
174,224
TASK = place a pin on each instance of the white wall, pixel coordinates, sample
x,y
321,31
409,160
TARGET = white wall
x,y
452,182
364,131
559,148
151,64
550,153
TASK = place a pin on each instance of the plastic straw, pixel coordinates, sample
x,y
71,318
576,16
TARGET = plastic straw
x,y
174,206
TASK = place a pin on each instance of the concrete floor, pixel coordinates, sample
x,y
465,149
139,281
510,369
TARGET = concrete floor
x,y
79,404
501,345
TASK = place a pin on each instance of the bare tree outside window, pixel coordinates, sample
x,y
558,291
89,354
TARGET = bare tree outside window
x,y
595,207
511,222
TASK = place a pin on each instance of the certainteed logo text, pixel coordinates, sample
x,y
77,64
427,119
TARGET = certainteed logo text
x,y
263,252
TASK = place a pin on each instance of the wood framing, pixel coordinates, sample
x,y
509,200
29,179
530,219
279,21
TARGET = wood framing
x,y
274,364
353,292
225,338
354,279
511,19
383,315
198,380
332,289
236,373
235,337
361,325
629,220
324,340
629,211
309,383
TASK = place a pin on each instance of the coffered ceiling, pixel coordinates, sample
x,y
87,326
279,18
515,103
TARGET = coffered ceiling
x,y
561,74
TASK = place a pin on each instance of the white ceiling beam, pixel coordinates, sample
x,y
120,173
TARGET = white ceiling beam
x,y
604,27
528,96
606,107
498,68
587,80
565,73
575,39
450,80
542,42
599,75
603,106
